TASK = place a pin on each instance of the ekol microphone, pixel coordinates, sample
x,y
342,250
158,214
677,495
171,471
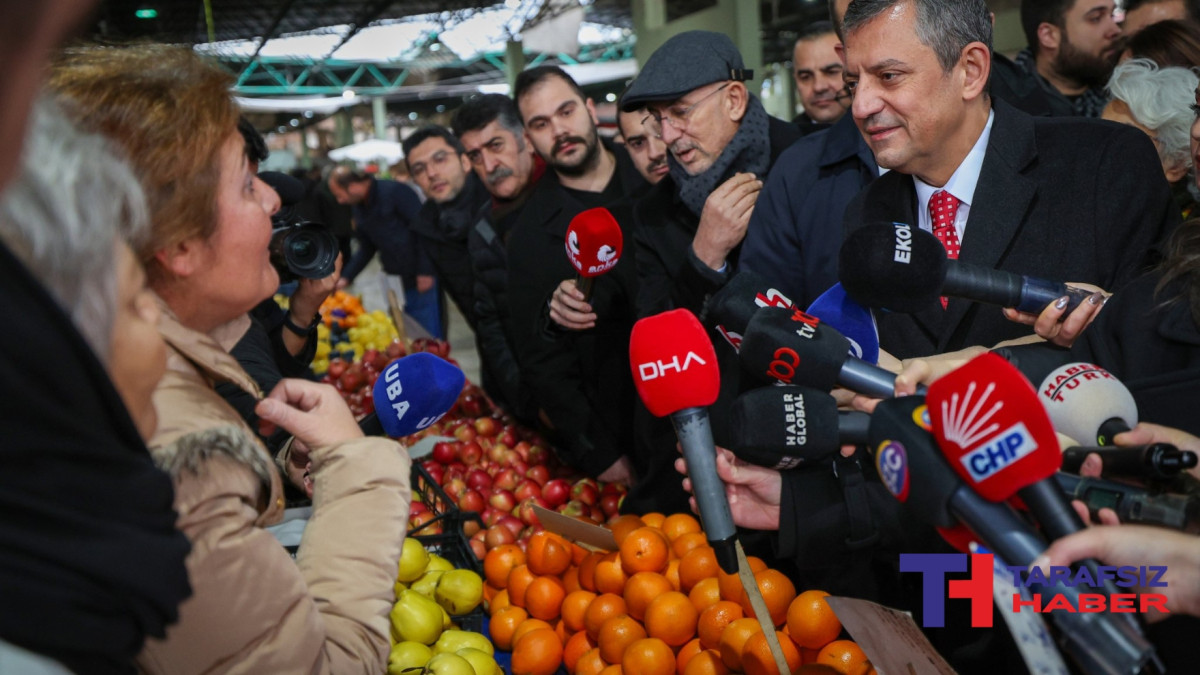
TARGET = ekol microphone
x,y
732,307
412,393
793,347
594,242
904,269
783,427
1086,403
675,371
839,311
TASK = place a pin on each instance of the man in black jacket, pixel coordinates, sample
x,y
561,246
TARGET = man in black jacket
x,y
581,379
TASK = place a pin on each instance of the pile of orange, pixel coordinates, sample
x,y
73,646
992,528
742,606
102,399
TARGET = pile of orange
x,y
658,605
350,307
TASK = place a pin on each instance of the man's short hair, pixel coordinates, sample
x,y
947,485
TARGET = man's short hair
x,y
1168,43
528,79
481,111
815,30
425,133
1037,12
945,26
346,176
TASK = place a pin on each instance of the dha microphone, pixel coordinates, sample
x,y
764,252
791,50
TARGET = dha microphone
x,y
795,348
904,269
1088,404
839,311
412,393
675,371
594,242
783,427
1133,505
732,307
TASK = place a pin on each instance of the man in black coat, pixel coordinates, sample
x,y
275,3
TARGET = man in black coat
x,y
581,379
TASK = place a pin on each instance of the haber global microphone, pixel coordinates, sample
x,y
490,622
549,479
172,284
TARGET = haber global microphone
x,y
675,371
411,393
903,268
783,427
594,242
732,307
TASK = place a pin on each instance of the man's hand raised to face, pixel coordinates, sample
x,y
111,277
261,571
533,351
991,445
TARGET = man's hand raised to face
x,y
724,219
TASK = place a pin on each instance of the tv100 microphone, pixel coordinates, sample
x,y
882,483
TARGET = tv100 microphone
x,y
904,269
594,242
732,307
785,426
675,371
412,393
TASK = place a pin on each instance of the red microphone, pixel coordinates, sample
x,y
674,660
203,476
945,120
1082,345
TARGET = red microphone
x,y
675,371
594,242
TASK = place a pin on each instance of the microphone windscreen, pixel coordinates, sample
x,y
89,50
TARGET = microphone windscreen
x,y
415,391
1081,397
732,307
673,361
594,242
839,311
892,266
992,428
782,427
792,347
291,190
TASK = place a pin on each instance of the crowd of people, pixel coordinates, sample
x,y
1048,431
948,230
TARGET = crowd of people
x,y
144,391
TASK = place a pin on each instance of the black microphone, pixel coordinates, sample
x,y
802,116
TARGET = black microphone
x,y
904,269
1133,505
783,427
793,347
732,307
1154,462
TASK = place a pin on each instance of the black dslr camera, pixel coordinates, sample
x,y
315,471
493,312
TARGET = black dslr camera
x,y
299,249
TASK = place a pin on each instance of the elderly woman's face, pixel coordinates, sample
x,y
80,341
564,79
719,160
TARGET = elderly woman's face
x,y
137,356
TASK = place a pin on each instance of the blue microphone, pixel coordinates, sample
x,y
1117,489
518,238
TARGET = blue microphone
x,y
852,320
412,393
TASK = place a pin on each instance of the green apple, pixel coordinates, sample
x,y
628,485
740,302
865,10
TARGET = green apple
x,y
437,562
416,618
408,654
449,664
413,561
427,583
459,591
481,661
453,640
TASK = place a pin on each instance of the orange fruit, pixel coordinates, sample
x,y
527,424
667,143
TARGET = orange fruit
x,y
528,625
561,631
489,592
757,658
614,669
733,640
544,598
697,564
646,549
731,584
578,553
587,571
844,656
574,606
518,581
610,576
672,618
672,573
705,594
616,634
678,524
778,592
623,525
602,608
714,619
649,656
653,519
590,663
816,669
707,662
686,542
641,589
570,579
577,645
686,653
811,622
498,602
503,625
548,554
499,562
538,652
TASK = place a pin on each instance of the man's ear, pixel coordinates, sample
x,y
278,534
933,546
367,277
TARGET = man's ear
x,y
738,100
976,62
466,163
591,108
182,259
1049,36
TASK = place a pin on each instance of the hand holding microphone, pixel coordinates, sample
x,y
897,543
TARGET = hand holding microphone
x,y
593,243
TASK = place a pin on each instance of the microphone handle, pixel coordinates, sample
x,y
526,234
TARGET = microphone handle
x,y
997,287
585,286
371,426
854,427
1132,504
1050,507
870,380
695,438
1154,462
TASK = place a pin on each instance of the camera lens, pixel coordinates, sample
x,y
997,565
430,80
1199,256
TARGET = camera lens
x,y
305,250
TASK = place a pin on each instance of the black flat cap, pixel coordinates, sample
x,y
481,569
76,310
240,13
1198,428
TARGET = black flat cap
x,y
685,62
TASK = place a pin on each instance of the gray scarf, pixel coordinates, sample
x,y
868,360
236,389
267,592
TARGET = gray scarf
x,y
749,151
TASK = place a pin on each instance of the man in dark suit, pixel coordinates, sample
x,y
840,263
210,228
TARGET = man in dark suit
x,y
1062,198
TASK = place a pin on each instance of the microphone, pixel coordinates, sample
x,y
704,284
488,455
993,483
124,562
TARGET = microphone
x,y
1088,404
594,242
412,393
851,319
785,426
1133,505
1157,462
795,348
675,371
904,269
732,307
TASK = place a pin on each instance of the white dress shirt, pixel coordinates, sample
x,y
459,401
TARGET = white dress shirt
x,y
961,185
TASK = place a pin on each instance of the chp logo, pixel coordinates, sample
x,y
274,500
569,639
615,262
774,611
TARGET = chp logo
x,y
970,423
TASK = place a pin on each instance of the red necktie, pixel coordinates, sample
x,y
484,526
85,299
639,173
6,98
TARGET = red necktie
x,y
943,209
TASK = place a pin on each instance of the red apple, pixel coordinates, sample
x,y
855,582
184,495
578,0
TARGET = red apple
x,y
539,473
612,489
537,454
498,452
485,426
505,479
498,535
586,491
556,492
471,527
336,368
525,512
508,436
471,500
519,465
444,452
513,524
395,350
479,479
490,514
471,405
436,472
465,433
573,508
418,522
526,489
417,507
522,449
479,548
502,500
610,504
470,453
456,488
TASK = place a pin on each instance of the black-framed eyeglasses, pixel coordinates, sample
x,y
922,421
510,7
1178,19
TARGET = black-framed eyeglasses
x,y
677,118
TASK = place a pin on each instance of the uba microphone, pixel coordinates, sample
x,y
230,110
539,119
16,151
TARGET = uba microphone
x,y
675,371
411,393
732,307
904,269
594,243
839,311
786,426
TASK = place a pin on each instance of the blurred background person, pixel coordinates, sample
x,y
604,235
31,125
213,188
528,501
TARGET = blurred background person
x,y
1167,43
648,152
1073,47
1140,14
817,69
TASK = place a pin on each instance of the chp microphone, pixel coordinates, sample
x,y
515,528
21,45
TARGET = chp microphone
x,y
412,393
902,268
783,427
594,241
732,307
675,371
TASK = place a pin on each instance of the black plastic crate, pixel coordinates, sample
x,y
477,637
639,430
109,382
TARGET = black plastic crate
x,y
453,547
446,513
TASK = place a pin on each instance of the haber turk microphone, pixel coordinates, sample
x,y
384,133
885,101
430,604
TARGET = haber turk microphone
x,y
904,269
732,307
785,426
837,309
1087,404
594,242
675,371
412,393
